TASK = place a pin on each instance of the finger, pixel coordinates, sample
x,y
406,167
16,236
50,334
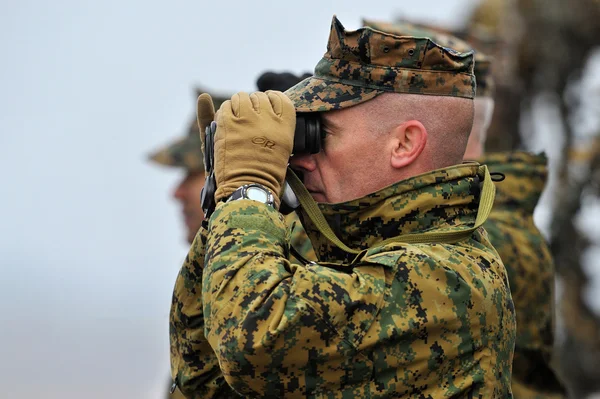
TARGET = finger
x,y
234,104
254,98
241,104
281,103
262,102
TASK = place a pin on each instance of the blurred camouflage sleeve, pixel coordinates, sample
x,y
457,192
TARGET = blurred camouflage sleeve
x,y
194,366
279,329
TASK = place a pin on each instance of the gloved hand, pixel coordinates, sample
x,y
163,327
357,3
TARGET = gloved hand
x,y
205,115
253,142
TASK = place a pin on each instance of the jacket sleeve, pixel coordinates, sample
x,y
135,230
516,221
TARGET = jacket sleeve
x,y
275,327
194,366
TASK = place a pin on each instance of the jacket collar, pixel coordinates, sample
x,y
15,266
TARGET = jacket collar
x,y
525,177
440,200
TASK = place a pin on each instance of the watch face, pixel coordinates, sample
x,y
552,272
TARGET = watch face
x,y
256,194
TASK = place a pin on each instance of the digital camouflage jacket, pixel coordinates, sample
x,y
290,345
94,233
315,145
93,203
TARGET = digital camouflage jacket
x,y
194,365
530,269
404,320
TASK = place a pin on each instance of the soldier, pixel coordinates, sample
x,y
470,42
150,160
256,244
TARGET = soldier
x,y
512,231
530,268
411,300
525,254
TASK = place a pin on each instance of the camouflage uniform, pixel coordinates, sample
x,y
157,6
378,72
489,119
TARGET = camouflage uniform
x,y
426,320
530,269
407,320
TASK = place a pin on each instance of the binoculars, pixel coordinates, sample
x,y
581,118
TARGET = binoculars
x,y
308,139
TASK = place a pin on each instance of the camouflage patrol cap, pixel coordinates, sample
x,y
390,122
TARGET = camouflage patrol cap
x,y
362,64
185,152
485,82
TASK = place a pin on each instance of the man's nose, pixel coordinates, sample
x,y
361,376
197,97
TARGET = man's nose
x,y
180,191
304,162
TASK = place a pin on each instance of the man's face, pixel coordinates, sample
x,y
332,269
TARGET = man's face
x,y
187,193
351,164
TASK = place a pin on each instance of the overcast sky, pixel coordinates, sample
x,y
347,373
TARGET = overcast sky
x,y
90,241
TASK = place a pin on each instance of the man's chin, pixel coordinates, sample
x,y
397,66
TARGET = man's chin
x,y
191,236
192,231
318,197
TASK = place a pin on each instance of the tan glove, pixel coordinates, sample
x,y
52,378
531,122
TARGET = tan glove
x,y
253,142
205,115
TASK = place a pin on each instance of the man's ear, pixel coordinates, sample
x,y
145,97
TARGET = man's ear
x,y
409,141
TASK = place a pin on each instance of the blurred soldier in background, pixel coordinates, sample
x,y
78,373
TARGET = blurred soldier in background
x,y
522,247
547,50
512,231
185,153
530,267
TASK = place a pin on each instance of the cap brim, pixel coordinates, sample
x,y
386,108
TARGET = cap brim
x,y
184,153
317,95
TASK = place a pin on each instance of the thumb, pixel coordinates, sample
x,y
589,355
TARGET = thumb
x,y
206,113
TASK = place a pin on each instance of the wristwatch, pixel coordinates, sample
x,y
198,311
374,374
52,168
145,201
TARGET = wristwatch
x,y
255,192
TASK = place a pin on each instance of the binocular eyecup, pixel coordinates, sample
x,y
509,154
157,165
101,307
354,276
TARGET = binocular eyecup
x,y
308,135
